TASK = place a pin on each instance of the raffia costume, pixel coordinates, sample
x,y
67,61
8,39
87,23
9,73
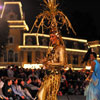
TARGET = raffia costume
x,y
51,83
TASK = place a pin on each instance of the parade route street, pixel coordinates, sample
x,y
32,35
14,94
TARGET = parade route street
x,y
72,97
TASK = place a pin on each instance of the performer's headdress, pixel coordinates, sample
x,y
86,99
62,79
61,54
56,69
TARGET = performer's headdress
x,y
54,30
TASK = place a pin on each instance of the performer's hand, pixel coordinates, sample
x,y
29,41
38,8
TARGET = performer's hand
x,y
86,81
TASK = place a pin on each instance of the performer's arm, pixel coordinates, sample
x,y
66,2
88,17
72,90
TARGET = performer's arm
x,y
91,71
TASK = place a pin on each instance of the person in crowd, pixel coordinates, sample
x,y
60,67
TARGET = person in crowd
x,y
32,75
1,83
32,89
72,78
36,82
16,89
16,71
25,91
92,91
2,97
77,90
22,74
81,89
63,86
71,90
7,90
10,72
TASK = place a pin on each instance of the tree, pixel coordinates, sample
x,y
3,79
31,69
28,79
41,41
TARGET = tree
x,y
4,32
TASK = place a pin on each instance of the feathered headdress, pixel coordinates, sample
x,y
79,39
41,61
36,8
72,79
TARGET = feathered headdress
x,y
51,16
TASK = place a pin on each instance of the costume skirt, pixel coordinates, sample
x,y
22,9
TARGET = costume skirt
x,y
92,92
49,87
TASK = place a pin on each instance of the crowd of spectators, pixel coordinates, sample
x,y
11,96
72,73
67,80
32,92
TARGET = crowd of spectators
x,y
23,84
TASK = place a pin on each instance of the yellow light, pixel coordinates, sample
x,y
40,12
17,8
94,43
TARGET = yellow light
x,y
98,58
16,21
66,68
19,3
97,55
2,11
46,47
77,68
96,45
18,26
74,39
88,67
1,67
35,46
35,34
76,50
26,25
65,38
45,35
32,66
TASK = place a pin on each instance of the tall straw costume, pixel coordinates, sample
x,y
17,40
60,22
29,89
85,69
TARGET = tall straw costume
x,y
56,58
51,18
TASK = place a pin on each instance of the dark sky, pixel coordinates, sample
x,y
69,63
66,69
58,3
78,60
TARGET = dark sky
x,y
83,14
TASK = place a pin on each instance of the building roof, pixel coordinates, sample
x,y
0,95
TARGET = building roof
x,y
12,12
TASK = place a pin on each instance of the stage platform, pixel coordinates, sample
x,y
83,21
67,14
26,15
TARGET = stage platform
x,y
72,97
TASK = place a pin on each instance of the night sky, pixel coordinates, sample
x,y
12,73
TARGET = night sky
x,y
84,15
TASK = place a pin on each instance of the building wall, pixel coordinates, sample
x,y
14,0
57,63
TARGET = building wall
x,y
95,45
14,40
33,55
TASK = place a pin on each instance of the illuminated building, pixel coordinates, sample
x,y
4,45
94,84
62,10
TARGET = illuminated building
x,y
96,47
29,48
12,12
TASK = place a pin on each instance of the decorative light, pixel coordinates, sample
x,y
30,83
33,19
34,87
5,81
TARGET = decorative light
x,y
98,58
77,68
45,35
46,47
96,45
76,50
18,26
88,67
33,66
